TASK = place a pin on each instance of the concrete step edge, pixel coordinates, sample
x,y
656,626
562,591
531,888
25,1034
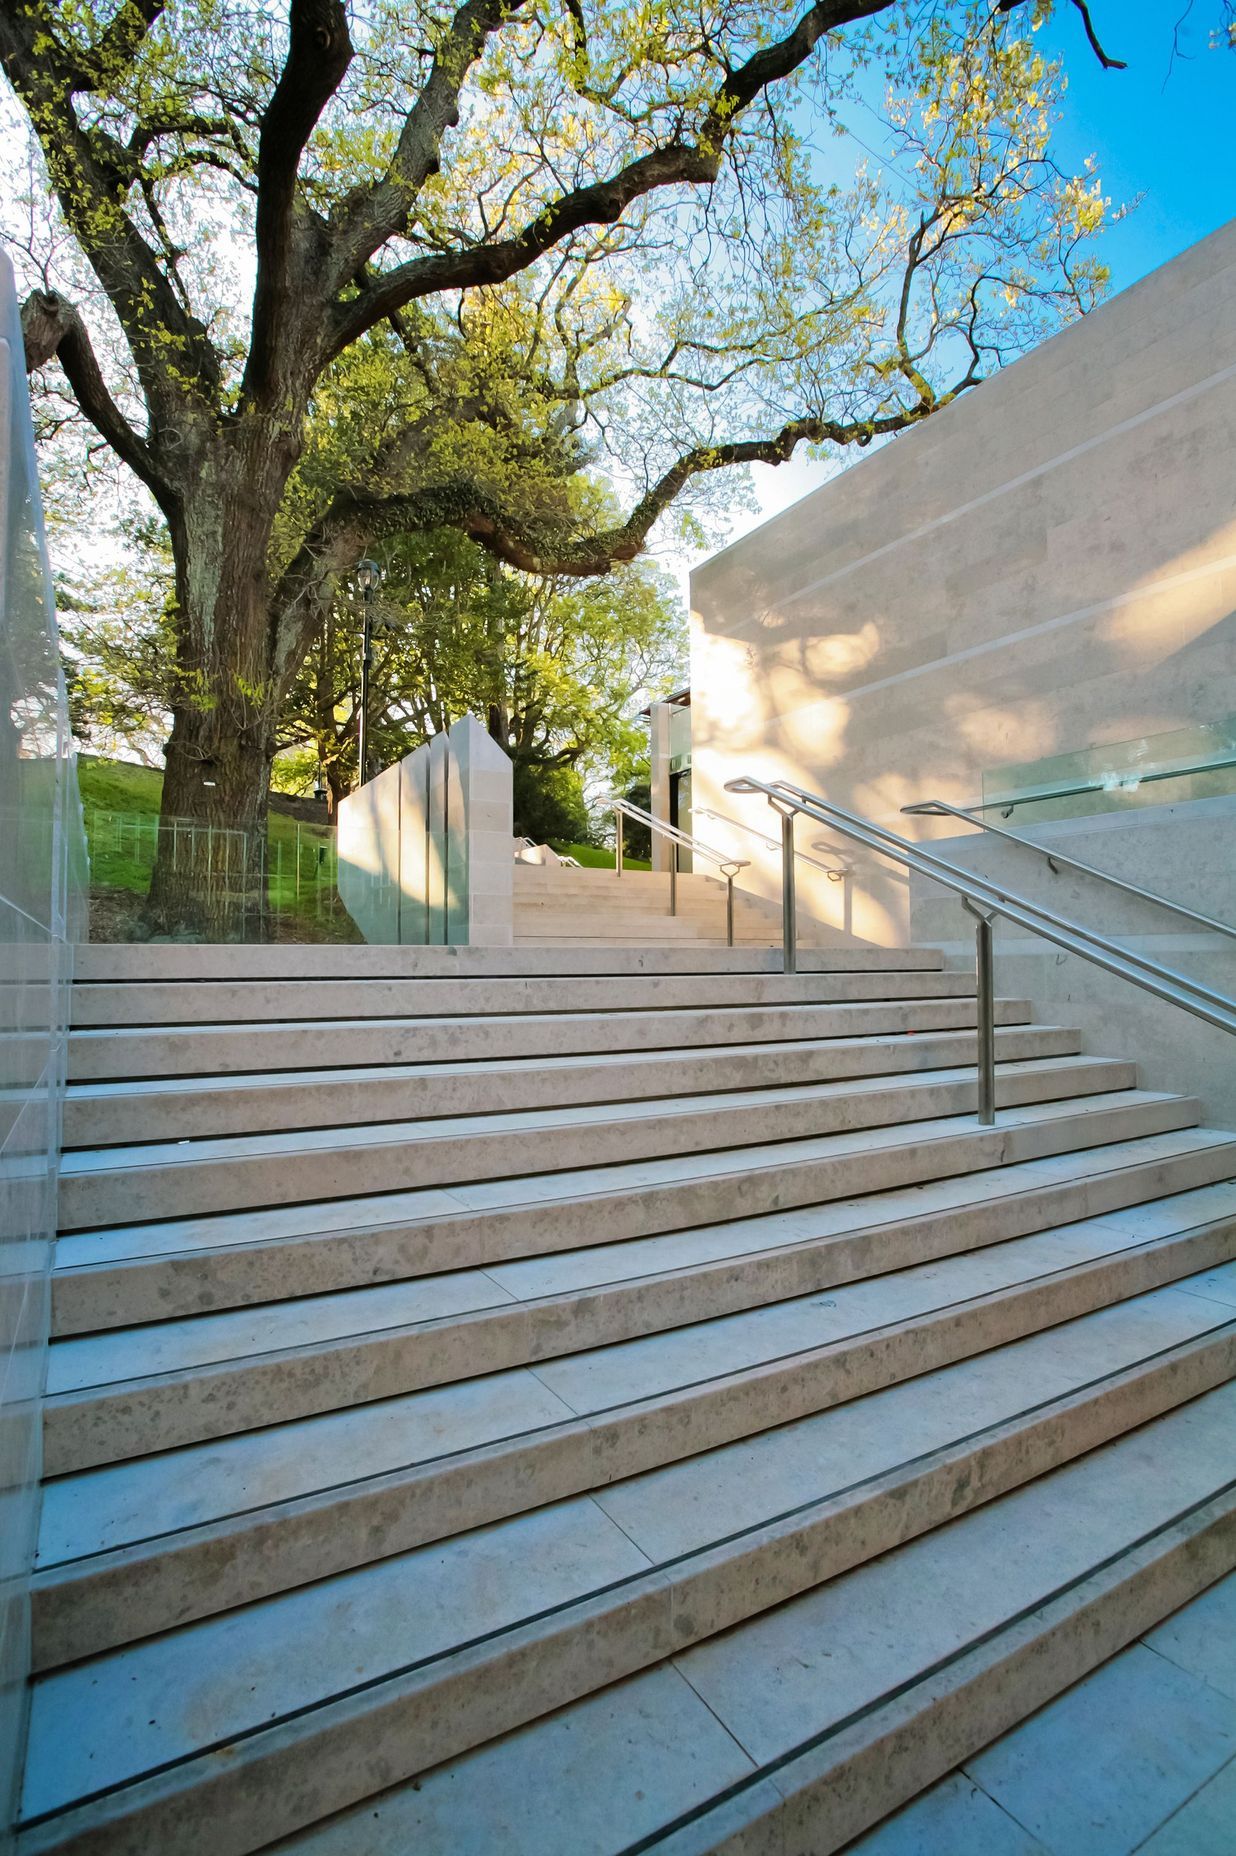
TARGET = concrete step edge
x,y
203,1050
718,1118
223,1264
446,1164
114,1595
279,1778
140,962
833,1792
92,1298
124,1112
111,1422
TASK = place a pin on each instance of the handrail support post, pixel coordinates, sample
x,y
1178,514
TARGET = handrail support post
x,y
618,841
985,978
789,909
673,876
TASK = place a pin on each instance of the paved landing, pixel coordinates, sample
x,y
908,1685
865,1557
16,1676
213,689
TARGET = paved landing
x,y
1139,1757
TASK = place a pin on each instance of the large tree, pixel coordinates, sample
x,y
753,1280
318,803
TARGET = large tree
x,y
569,221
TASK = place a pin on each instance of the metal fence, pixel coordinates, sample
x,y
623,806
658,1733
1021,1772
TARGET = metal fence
x,y
285,889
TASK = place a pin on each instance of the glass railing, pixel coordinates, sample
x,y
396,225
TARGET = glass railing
x,y
1180,764
285,890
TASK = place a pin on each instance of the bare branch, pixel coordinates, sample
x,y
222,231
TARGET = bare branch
x,y
1082,6
1108,64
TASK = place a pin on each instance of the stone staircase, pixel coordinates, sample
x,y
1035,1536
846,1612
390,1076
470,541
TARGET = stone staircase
x,y
558,906
561,1403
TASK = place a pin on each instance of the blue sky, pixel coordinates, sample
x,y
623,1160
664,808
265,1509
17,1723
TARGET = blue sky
x,y
1164,129
1164,132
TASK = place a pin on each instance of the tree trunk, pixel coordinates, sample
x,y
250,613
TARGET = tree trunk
x,y
209,879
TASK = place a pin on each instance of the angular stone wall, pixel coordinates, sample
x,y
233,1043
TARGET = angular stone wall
x,y
426,848
42,914
1045,567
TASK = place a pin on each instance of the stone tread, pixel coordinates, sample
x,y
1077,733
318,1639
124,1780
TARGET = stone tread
x,y
1139,1757
224,1173
298,1044
139,963
713,1741
223,1002
100,1509
430,1230
767,1441
112,1113
281,1680
99,1284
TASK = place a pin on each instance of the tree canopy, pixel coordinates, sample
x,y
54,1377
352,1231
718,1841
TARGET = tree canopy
x,y
574,240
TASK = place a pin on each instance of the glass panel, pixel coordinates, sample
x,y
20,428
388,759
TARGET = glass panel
x,y
302,901
1197,762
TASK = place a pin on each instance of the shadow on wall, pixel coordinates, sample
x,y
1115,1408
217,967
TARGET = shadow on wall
x,y
1045,566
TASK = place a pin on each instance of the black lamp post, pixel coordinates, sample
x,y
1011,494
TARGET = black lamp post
x,y
368,574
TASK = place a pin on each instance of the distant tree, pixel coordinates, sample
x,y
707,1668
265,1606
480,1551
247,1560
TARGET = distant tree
x,y
552,667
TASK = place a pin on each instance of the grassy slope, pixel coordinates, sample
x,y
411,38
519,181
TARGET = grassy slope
x,y
121,850
594,859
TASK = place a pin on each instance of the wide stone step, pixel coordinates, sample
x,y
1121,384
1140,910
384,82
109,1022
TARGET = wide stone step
x,y
1075,1774
322,1695
568,1230
140,963
208,1050
214,1375
108,1114
801,1728
168,1179
221,1002
133,1548
621,928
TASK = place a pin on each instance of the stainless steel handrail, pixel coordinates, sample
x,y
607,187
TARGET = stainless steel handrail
x,y
729,866
940,808
833,875
986,901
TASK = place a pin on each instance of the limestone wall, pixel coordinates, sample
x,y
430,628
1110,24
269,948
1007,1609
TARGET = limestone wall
x,y
426,849
1046,566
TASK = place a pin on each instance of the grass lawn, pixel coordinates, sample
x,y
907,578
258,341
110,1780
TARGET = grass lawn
x,y
121,805
593,858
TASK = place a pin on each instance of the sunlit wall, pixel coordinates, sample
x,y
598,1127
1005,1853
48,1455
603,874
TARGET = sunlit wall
x,y
1048,566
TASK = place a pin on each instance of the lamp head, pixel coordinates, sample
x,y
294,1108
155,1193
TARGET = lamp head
x,y
368,573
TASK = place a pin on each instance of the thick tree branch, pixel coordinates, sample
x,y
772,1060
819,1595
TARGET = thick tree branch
x,y
52,327
680,163
319,53
372,215
114,51
355,518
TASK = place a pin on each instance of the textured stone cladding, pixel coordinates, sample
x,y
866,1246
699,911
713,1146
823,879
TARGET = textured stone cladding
x,y
1045,569
1046,566
426,848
